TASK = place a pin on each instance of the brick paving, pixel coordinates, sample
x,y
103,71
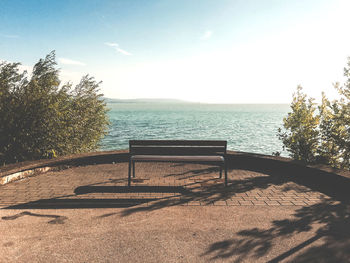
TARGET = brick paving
x,y
156,184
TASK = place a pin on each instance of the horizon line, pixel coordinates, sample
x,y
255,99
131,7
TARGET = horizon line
x,y
190,101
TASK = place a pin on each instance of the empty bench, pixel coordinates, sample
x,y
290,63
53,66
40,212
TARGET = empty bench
x,y
177,151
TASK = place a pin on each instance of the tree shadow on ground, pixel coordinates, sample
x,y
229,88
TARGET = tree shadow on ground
x,y
334,230
332,184
332,216
199,188
74,203
56,218
204,189
194,173
133,189
287,176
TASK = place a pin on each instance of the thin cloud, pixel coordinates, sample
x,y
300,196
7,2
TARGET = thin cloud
x,y
118,49
207,35
68,61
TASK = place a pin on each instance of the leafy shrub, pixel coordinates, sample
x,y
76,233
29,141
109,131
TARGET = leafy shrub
x,y
40,118
300,137
321,136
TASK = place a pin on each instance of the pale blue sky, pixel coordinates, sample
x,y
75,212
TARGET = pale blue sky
x,y
209,51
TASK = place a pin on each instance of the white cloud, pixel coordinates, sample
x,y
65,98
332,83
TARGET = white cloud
x,y
207,35
117,48
68,61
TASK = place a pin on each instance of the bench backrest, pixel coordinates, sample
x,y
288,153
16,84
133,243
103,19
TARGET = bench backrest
x,y
177,147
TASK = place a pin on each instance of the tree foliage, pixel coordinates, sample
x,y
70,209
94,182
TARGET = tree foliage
x,y
40,118
321,135
301,135
328,148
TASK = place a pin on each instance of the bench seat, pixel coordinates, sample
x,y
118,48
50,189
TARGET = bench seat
x,y
178,158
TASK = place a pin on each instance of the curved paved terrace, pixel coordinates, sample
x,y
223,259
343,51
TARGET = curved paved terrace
x,y
272,210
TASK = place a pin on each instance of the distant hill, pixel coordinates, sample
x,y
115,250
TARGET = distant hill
x,y
110,100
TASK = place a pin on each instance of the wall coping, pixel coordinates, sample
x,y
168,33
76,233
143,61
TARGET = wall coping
x,y
17,171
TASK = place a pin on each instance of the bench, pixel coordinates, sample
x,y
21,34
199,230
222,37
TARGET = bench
x,y
177,151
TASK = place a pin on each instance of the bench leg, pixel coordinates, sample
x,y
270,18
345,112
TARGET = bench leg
x,y
220,171
133,169
129,174
225,173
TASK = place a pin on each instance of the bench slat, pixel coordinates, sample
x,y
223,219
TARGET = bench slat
x,y
178,142
177,150
176,158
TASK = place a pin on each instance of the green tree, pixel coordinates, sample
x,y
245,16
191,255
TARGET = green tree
x,y
334,148
300,136
328,149
323,137
342,119
40,118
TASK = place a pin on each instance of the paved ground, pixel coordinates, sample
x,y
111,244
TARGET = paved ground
x,y
185,184
173,213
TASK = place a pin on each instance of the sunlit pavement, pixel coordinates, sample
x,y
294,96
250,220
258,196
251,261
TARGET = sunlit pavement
x,y
174,213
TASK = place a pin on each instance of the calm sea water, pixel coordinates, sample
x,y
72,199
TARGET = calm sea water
x,y
249,128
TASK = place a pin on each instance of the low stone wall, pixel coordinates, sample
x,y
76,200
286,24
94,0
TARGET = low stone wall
x,y
26,169
237,160
23,174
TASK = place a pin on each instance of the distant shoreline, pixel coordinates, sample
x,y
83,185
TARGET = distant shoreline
x,y
178,101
